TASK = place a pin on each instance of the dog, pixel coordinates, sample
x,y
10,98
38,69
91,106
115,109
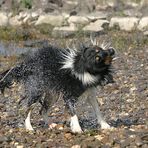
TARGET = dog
x,y
51,73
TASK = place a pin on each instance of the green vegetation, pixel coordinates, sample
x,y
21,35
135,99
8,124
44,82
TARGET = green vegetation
x,y
27,3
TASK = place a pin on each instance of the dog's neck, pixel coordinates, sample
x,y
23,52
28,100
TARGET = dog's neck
x,y
73,62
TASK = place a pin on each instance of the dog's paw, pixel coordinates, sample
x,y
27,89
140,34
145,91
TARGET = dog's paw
x,y
28,127
76,129
105,125
74,125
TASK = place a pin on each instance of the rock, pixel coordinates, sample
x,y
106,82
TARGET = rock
x,y
4,19
125,142
19,146
69,5
14,21
143,24
34,14
64,31
124,23
54,20
78,20
68,136
97,15
22,15
76,146
131,4
138,141
132,12
96,26
85,6
99,137
143,3
146,33
1,105
27,18
103,5
144,146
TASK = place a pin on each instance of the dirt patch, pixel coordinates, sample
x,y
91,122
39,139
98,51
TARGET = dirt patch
x,y
124,105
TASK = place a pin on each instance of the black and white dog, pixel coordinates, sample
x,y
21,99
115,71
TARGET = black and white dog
x,y
50,73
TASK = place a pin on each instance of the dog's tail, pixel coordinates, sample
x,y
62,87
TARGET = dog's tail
x,y
9,76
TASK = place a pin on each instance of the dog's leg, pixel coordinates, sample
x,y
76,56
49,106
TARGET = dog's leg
x,y
28,125
93,101
74,122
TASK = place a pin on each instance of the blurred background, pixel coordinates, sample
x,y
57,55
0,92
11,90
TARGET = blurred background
x,y
64,18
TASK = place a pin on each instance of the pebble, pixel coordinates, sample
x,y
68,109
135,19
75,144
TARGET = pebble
x,y
76,146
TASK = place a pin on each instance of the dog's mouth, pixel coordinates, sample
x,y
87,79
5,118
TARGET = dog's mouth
x,y
105,56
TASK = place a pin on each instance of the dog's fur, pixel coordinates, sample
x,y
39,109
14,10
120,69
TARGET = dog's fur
x,y
50,73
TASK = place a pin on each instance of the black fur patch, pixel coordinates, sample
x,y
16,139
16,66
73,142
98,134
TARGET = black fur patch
x,y
43,72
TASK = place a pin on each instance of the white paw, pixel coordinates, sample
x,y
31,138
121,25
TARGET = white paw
x,y
28,126
76,129
105,125
74,125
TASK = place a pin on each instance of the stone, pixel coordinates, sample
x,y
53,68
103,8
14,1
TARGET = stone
x,y
131,4
132,12
146,33
65,31
124,23
34,15
143,24
27,18
14,21
97,15
96,26
69,5
79,20
103,5
4,19
54,20
76,146
22,15
19,146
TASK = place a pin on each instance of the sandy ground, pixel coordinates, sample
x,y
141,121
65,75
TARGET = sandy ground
x,y
124,105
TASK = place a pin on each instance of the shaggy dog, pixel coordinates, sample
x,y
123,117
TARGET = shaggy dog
x,y
51,72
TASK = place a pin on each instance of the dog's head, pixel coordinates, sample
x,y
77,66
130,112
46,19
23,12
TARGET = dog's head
x,y
95,58
90,63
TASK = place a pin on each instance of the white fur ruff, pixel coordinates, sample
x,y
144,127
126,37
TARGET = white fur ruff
x,y
68,59
86,78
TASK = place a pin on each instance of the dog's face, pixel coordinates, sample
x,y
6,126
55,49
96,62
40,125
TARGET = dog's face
x,y
97,59
90,64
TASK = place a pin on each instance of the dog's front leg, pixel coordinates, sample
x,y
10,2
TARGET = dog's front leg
x,y
28,125
93,101
74,122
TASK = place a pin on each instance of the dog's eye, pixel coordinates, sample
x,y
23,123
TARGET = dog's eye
x,y
98,49
97,59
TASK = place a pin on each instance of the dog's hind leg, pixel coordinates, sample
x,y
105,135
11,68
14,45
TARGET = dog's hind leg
x,y
93,101
48,99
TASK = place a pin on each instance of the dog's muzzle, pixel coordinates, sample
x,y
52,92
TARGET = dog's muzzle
x,y
106,55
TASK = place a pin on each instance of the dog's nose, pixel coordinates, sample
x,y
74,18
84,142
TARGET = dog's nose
x,y
111,51
102,54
